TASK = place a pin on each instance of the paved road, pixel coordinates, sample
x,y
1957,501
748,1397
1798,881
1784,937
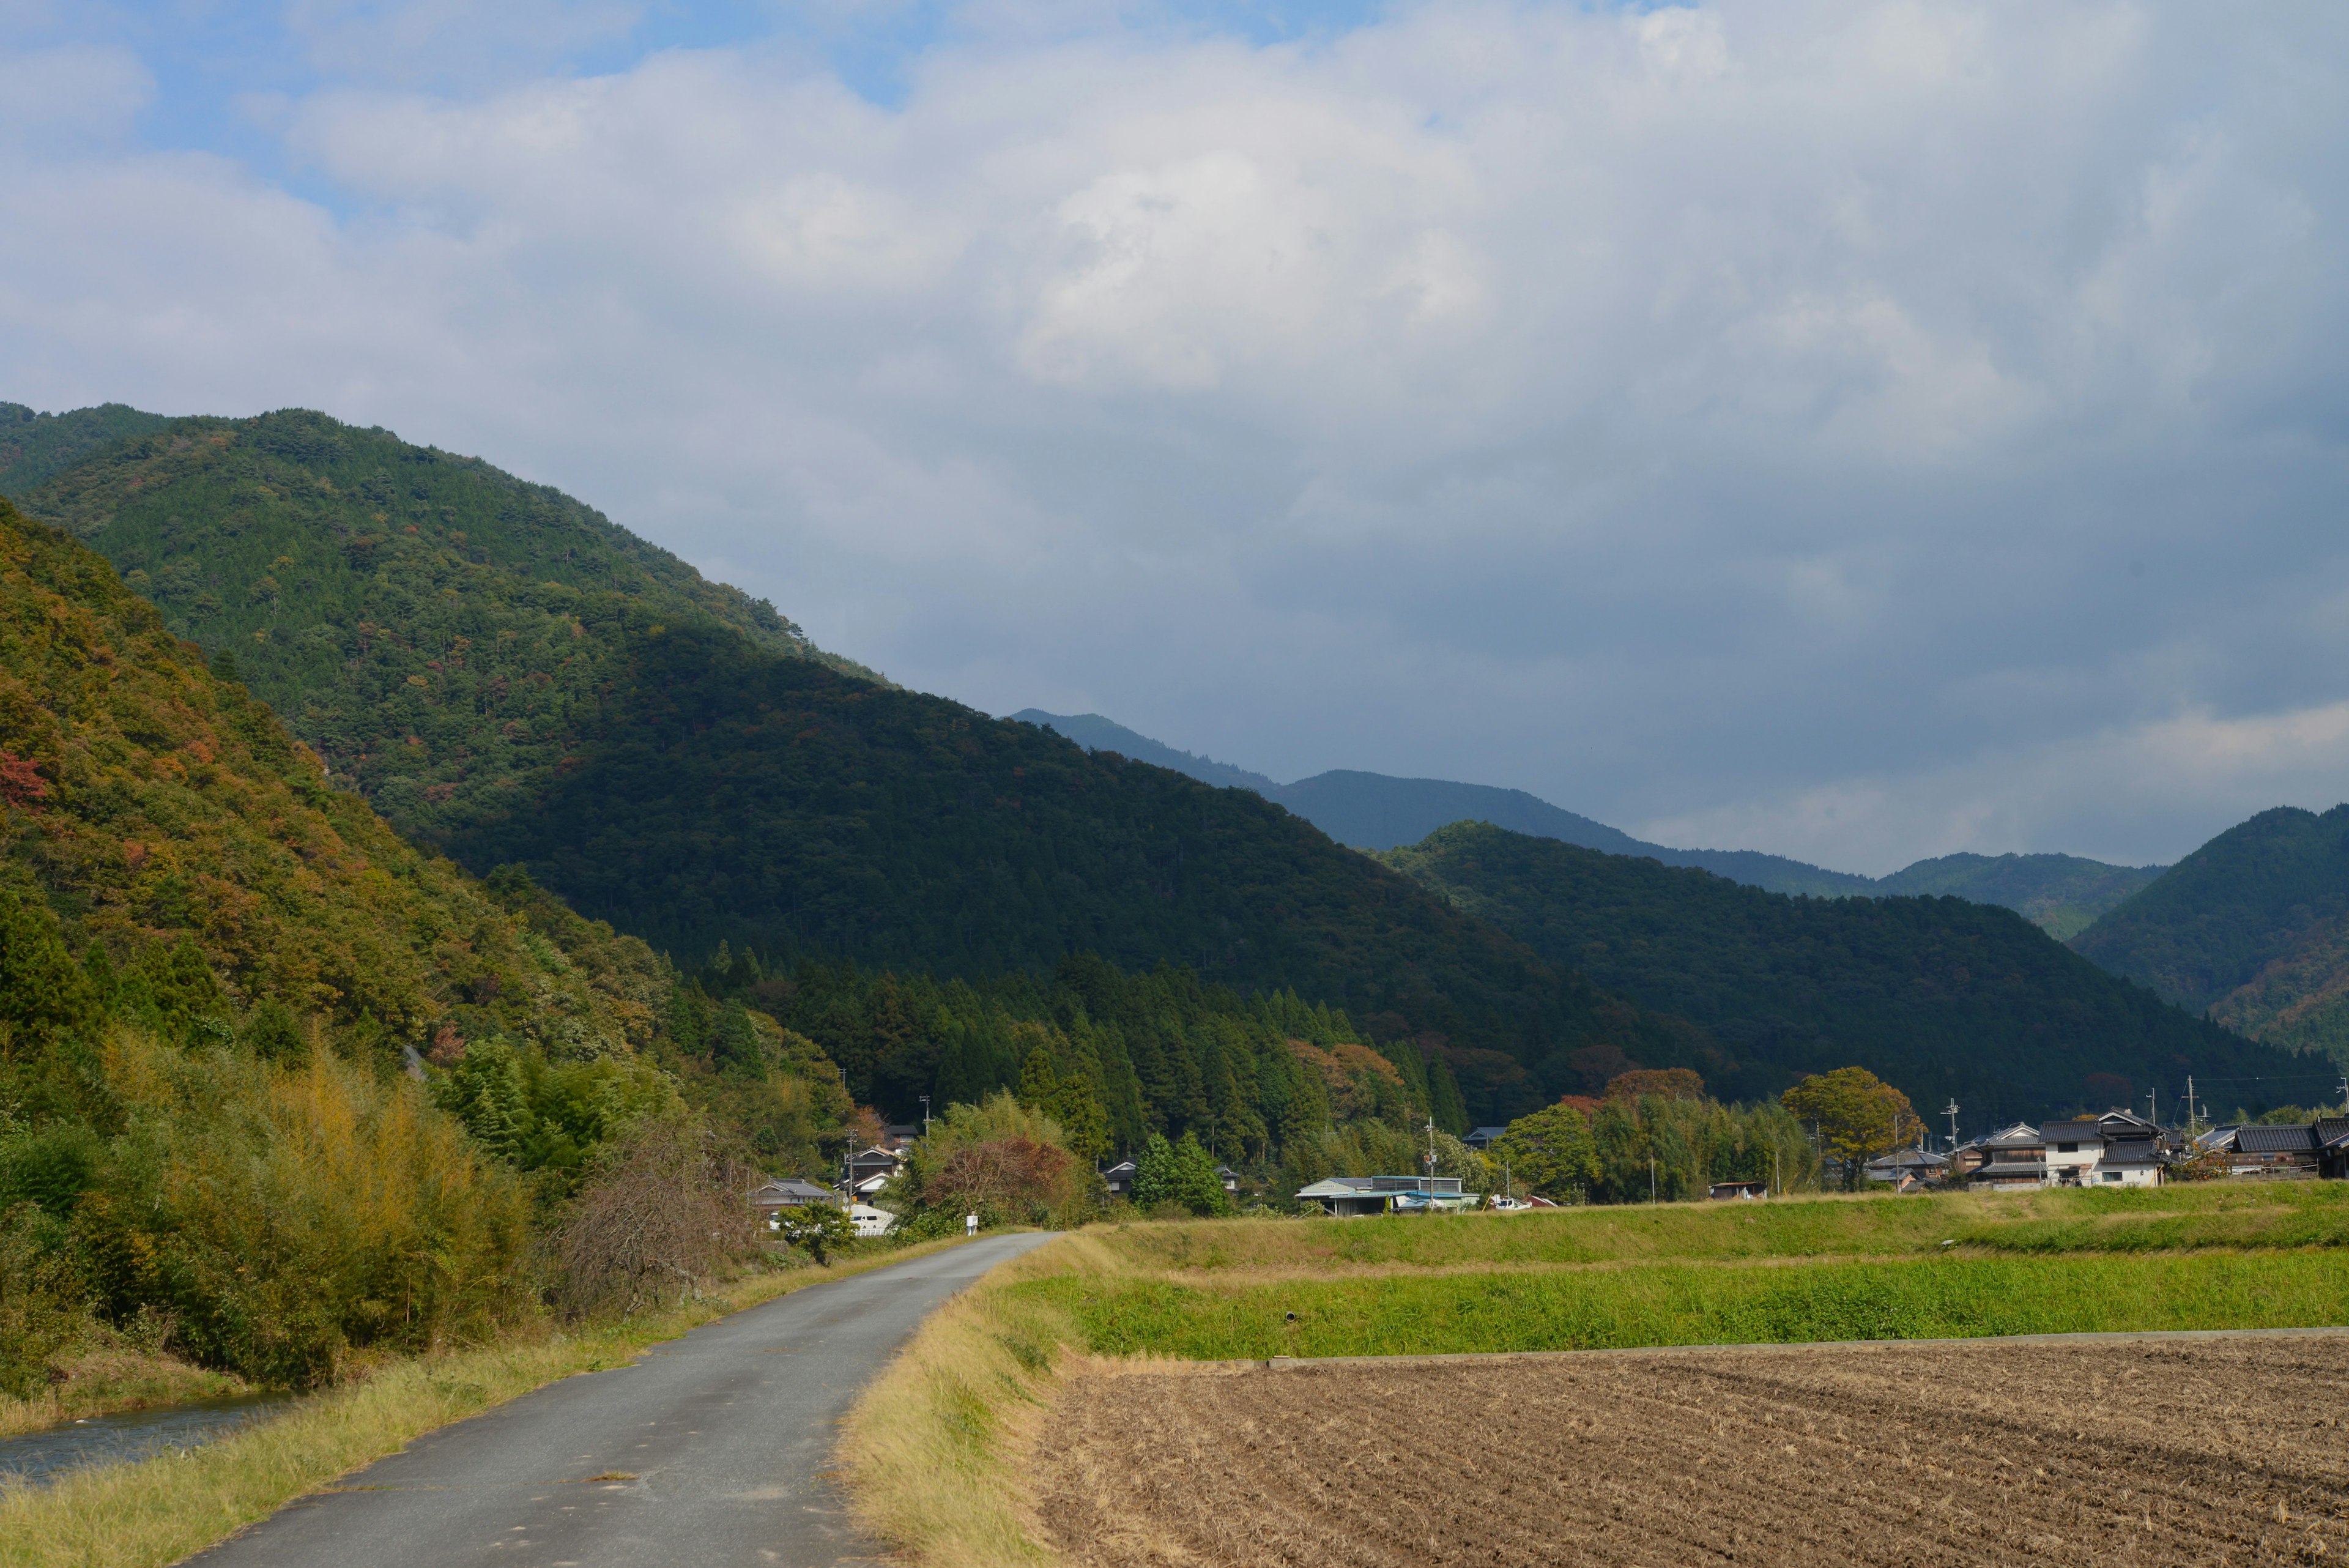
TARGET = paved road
x,y
726,1431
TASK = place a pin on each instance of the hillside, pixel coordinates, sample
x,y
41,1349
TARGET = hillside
x,y
2058,893
1943,997
163,814
212,969
510,677
35,447
2253,926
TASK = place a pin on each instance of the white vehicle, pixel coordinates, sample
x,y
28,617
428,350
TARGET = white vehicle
x,y
1511,1205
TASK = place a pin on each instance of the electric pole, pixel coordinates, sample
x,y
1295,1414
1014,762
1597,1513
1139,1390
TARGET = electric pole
x,y
1950,1111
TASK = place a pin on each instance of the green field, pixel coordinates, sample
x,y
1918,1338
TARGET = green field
x,y
2222,1256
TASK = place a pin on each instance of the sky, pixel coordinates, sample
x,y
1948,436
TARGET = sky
x,y
1860,430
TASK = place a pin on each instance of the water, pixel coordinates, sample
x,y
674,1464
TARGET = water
x,y
41,1455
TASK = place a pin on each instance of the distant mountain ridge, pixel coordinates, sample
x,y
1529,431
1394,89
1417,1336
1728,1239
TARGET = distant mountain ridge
x,y
1944,997
2061,894
2251,929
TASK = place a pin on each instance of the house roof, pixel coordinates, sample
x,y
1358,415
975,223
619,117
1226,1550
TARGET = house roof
x,y
2130,1151
793,1187
2275,1140
2125,1123
1341,1186
2083,1129
2015,1168
2020,1135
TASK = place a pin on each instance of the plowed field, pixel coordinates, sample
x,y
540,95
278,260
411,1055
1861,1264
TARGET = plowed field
x,y
2159,1452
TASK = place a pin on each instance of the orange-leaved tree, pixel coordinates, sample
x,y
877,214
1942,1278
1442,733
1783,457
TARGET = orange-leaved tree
x,y
1859,1115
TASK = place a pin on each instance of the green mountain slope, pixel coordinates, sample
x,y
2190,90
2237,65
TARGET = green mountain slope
x,y
35,447
1943,997
2058,893
508,676
2253,926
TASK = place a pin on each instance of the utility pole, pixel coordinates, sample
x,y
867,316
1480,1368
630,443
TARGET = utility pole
x,y
2189,1104
925,1115
1950,1111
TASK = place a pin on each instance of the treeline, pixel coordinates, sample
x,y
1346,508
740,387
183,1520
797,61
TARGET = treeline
x,y
1634,1147
1159,1052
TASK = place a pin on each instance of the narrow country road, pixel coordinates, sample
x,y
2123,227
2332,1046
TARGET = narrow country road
x,y
727,1433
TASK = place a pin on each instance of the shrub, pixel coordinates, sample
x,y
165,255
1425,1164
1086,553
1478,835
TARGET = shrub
x,y
663,1214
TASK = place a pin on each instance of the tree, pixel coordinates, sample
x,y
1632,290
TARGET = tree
x,y
818,1227
1181,1174
1663,1082
1859,1115
1549,1152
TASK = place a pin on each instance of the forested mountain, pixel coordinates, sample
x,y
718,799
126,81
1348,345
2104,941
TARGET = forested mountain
x,y
2253,926
35,447
2058,893
510,677
1943,997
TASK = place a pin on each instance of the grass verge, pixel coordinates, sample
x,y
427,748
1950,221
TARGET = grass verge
x,y
1699,1303
161,1510
932,1448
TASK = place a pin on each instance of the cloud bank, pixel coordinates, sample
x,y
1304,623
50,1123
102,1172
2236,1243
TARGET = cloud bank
x,y
1857,430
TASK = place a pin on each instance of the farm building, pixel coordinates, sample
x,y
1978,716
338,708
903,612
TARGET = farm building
x,y
1347,1196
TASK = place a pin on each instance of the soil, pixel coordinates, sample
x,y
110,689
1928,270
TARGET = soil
x,y
2151,1452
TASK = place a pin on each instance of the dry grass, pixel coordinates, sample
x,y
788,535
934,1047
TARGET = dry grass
x,y
159,1511
933,1448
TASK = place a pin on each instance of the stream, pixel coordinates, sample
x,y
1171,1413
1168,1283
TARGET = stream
x,y
41,1455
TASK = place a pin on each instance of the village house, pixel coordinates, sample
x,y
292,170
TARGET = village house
x,y
791,1192
868,1171
2010,1158
2321,1148
1907,1167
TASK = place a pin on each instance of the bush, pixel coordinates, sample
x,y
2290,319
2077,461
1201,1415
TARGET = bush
x,y
1001,1160
663,1214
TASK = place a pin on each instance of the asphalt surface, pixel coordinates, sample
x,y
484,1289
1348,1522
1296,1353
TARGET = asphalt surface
x,y
723,1437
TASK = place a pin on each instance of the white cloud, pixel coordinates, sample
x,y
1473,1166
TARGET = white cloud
x,y
1698,416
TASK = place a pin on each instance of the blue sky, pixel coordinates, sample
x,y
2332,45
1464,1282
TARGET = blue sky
x,y
1851,428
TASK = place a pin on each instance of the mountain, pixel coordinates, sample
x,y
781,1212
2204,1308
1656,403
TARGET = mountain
x,y
166,818
37,447
511,678
2253,926
1095,733
1943,997
2058,893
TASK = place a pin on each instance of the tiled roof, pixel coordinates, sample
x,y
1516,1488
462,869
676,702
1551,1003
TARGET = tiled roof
x,y
2275,1140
